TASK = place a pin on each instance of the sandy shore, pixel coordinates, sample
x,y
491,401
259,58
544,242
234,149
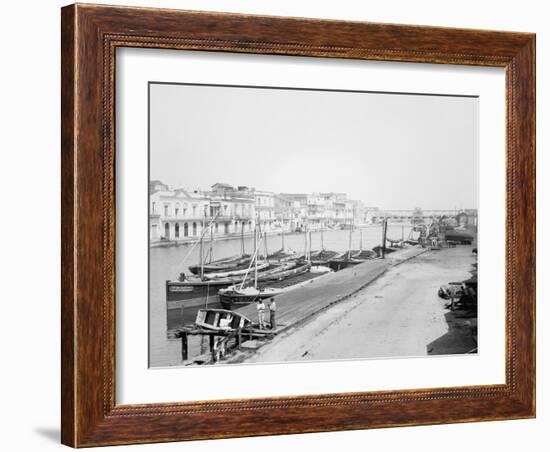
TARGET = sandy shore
x,y
399,314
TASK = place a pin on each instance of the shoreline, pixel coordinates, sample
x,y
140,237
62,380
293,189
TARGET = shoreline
x,y
238,236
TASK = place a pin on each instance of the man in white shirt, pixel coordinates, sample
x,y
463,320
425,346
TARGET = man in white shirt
x,y
260,306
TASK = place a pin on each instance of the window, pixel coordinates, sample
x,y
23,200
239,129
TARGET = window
x,y
167,230
185,229
165,210
177,230
153,208
194,229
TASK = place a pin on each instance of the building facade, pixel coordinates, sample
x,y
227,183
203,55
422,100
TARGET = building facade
x,y
176,214
179,214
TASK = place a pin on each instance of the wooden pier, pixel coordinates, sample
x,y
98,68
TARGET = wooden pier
x,y
297,305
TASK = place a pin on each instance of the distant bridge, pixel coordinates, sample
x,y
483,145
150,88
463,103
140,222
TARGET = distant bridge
x,y
407,215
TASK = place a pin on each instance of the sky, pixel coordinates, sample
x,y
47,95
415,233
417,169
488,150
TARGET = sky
x,y
393,151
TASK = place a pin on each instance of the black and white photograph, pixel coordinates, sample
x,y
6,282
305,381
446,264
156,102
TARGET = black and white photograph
x,y
294,225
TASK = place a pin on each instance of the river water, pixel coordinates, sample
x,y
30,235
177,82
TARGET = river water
x,y
167,262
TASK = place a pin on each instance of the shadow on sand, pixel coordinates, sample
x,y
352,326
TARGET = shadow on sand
x,y
461,336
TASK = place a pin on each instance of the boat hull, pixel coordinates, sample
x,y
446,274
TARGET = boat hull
x,y
188,291
222,265
233,300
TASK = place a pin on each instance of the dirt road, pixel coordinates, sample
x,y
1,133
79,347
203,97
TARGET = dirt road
x,y
399,314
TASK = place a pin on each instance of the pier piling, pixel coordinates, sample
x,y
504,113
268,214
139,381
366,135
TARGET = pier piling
x,y
184,346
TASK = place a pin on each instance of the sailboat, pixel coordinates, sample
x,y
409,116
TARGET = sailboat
x,y
281,255
279,282
352,257
323,256
228,264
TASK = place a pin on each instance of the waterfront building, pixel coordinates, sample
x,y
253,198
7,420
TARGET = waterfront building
x,y
232,210
180,214
265,209
287,213
176,214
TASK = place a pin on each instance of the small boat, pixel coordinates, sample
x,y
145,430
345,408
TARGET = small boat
x,y
234,296
282,256
221,320
345,260
365,255
227,264
322,257
462,236
194,291
240,270
320,269
378,250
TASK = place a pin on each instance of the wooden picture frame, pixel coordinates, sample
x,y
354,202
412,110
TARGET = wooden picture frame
x,y
90,35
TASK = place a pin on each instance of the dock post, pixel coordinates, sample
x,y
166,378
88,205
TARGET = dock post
x,y
184,346
211,342
239,338
212,353
384,231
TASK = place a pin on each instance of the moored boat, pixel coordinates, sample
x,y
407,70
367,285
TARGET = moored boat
x,y
282,256
345,260
194,291
227,264
234,296
241,270
322,257
463,236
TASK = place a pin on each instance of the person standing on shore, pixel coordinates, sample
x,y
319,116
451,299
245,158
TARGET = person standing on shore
x,y
260,306
272,309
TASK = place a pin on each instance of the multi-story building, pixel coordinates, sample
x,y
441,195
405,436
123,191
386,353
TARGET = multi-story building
x,y
181,214
265,209
176,214
232,210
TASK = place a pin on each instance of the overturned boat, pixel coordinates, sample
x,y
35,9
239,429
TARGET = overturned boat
x,y
221,320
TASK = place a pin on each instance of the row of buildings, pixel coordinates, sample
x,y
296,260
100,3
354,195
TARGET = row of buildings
x,y
177,213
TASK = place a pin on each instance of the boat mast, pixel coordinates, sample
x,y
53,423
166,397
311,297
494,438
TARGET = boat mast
x,y
242,238
265,245
255,232
211,251
305,240
283,237
201,251
322,239
256,260
349,243
360,239
309,250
